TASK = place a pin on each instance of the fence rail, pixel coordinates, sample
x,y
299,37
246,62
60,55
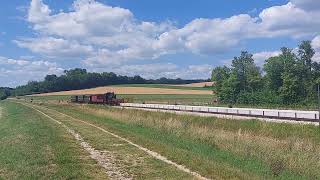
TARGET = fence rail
x,y
296,115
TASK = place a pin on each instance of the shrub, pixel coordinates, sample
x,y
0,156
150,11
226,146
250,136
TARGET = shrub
x,y
259,97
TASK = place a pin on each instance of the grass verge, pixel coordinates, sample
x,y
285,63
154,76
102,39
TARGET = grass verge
x,y
33,147
213,147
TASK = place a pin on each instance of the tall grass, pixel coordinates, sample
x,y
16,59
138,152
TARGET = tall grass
x,y
282,150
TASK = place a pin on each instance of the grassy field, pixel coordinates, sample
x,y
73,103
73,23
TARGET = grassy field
x,y
170,99
215,148
33,147
165,86
37,148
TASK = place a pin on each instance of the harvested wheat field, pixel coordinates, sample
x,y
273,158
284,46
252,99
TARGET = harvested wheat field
x,y
128,90
201,84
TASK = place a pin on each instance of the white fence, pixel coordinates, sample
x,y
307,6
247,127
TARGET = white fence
x,y
267,113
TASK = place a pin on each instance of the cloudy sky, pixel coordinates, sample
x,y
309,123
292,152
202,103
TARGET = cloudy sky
x,y
158,38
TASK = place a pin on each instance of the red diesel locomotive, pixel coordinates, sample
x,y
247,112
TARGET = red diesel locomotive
x,y
108,98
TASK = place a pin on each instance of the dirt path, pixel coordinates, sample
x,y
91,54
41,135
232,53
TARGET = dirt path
x,y
104,158
152,153
148,151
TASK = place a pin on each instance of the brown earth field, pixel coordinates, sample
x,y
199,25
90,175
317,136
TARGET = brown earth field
x,y
128,90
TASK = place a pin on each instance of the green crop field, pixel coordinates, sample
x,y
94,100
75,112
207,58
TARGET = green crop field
x,y
170,99
164,86
35,146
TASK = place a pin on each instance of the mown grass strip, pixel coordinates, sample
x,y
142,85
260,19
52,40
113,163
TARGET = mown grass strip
x,y
33,147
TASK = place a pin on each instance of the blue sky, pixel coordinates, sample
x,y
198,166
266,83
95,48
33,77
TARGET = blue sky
x,y
149,38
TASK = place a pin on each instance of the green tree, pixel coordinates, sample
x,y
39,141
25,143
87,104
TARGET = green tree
x,y
305,64
219,75
274,67
4,93
292,87
230,89
305,53
247,73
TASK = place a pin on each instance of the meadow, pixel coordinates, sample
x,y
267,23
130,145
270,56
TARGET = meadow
x,y
215,148
31,147
167,86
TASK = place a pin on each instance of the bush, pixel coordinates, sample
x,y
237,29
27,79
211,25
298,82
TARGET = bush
x,y
4,93
260,98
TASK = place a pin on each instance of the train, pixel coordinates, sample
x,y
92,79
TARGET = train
x,y
108,98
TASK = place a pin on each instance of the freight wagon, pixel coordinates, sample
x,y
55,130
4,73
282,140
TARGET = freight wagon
x,y
108,98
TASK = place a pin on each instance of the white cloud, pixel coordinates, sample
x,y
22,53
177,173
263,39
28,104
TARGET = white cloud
x,y
157,70
38,12
148,70
111,38
211,36
14,72
202,69
260,57
316,45
307,4
118,36
208,36
55,47
113,32
289,20
87,18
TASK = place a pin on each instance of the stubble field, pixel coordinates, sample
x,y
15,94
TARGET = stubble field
x,y
131,90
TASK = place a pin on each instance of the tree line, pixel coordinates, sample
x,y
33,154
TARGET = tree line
x,y
289,78
4,92
78,78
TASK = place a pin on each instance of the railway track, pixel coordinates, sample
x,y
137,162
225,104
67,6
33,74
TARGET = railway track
x,y
236,113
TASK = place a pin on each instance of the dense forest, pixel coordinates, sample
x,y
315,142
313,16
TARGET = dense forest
x,y
81,79
289,78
